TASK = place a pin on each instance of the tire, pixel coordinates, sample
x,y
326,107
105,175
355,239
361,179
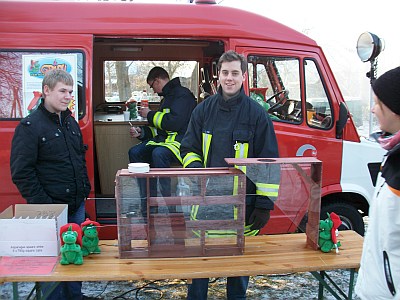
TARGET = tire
x,y
349,215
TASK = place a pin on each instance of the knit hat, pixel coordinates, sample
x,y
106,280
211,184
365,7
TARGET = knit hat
x,y
387,89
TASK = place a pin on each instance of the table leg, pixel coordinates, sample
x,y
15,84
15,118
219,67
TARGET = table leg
x,y
323,279
351,284
321,287
15,291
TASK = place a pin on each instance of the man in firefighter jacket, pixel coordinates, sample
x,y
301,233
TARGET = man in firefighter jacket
x,y
230,124
167,126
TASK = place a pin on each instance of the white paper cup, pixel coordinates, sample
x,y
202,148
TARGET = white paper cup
x,y
138,167
127,115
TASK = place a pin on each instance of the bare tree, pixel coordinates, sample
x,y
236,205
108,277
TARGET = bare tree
x,y
123,84
10,85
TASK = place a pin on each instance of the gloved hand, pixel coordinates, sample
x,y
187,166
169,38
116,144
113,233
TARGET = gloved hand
x,y
259,218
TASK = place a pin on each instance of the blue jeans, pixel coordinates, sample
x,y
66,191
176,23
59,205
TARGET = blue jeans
x,y
236,288
157,157
70,290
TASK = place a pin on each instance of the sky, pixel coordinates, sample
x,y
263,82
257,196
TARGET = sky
x,y
336,27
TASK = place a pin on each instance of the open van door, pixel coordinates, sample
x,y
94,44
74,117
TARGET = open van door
x,y
290,86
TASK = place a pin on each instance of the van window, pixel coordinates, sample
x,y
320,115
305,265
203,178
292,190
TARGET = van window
x,y
275,84
21,80
319,112
124,80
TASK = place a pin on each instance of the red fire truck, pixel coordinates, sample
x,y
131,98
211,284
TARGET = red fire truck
x,y
109,48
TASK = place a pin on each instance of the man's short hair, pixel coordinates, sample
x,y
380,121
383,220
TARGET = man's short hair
x,y
52,77
231,55
157,72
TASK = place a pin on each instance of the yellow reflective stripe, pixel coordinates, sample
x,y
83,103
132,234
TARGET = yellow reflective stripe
x,y
219,233
249,232
176,144
174,147
267,189
193,212
206,146
224,233
216,233
171,136
157,119
153,131
235,185
241,168
196,233
189,158
241,151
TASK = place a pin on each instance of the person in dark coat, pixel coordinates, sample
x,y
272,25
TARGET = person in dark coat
x,y
47,160
160,140
231,124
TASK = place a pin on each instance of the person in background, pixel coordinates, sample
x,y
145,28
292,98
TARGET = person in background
x,y
160,141
48,163
231,124
379,274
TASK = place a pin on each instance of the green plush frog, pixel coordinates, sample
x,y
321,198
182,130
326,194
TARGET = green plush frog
x,y
132,108
90,239
328,231
71,252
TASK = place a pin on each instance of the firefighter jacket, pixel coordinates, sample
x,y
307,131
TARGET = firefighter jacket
x,y
238,128
48,159
168,125
379,274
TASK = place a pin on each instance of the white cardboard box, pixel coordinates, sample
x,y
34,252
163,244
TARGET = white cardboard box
x,y
32,229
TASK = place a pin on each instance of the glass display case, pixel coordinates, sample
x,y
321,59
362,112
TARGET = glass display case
x,y
180,212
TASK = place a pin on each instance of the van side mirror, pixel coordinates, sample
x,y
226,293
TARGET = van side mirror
x,y
341,122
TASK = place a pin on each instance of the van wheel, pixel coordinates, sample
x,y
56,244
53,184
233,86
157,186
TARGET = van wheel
x,y
349,215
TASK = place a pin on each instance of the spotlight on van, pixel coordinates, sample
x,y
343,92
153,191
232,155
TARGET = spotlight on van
x,y
369,46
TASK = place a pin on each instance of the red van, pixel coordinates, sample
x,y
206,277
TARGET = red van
x,y
110,46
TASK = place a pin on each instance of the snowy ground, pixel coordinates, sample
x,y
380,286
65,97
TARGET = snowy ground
x,y
289,286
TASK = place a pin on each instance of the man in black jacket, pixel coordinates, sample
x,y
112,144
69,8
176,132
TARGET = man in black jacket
x,y
160,146
231,124
47,160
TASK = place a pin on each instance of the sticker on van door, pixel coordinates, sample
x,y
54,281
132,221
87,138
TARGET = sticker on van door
x,y
302,149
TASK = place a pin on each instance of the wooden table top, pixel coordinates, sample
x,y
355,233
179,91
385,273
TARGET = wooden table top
x,y
266,254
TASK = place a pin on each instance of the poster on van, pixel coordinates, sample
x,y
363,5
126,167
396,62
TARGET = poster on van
x,y
33,69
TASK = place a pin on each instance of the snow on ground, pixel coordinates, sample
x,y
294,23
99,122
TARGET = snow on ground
x,y
289,286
